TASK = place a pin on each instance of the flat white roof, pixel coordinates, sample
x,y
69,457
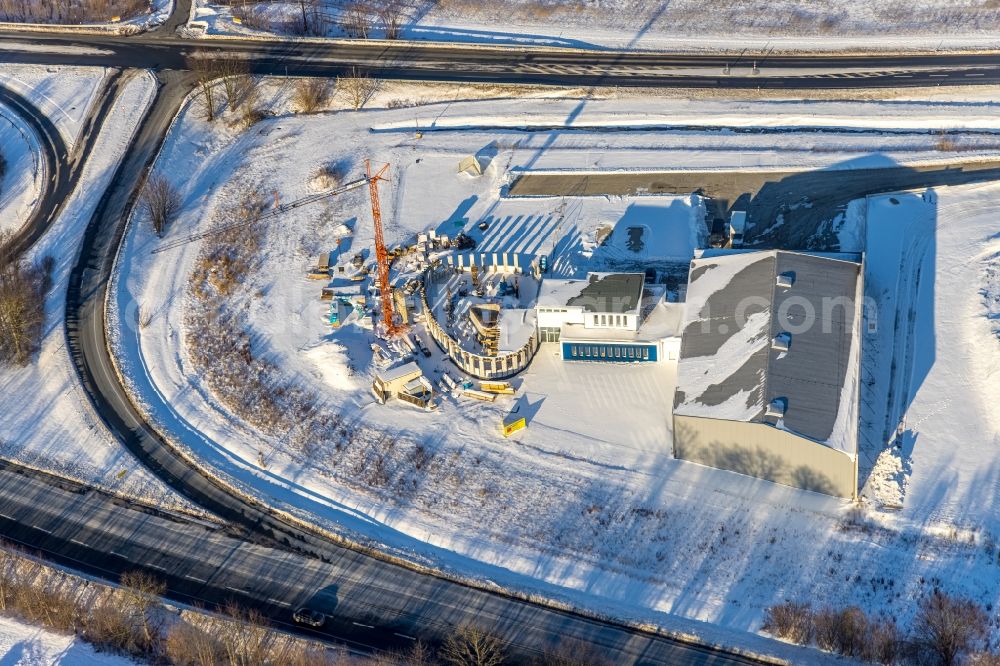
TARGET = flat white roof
x,y
399,372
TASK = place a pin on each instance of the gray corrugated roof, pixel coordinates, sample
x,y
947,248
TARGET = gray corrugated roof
x,y
726,353
614,293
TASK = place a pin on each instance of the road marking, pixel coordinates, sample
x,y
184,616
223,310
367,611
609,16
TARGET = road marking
x,y
79,543
366,626
938,76
975,75
902,76
197,580
409,638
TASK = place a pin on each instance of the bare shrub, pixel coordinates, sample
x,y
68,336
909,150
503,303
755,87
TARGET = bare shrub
x,y
246,639
108,627
358,87
572,653
948,627
252,15
789,621
161,202
843,631
188,645
327,177
882,642
311,94
472,646
69,13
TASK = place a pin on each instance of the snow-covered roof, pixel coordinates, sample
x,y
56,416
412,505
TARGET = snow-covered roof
x,y
618,293
399,372
729,369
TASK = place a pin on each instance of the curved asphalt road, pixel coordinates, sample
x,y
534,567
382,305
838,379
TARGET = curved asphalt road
x,y
62,169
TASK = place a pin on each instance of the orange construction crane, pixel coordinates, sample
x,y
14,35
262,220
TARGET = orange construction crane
x,y
381,253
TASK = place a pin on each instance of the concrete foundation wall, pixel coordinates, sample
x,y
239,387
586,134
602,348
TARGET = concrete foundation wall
x,y
763,451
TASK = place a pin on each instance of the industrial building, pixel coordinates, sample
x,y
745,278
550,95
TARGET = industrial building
x,y
768,376
609,317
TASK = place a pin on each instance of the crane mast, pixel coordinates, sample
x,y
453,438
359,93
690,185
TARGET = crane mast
x,y
381,253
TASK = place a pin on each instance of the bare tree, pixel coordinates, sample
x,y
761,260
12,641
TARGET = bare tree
x,y
206,71
472,646
234,73
948,627
790,621
358,86
22,303
142,594
357,19
161,201
390,13
311,94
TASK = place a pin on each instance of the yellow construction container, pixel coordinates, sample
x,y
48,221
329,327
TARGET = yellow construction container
x,y
497,387
512,423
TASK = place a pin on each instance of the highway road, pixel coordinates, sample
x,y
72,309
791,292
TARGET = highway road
x,y
268,562
476,63
369,603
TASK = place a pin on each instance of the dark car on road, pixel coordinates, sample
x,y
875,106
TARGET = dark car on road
x,y
309,616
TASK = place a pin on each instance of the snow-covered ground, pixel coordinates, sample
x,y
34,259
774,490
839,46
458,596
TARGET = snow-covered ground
x,y
757,25
63,94
26,645
20,186
586,504
46,420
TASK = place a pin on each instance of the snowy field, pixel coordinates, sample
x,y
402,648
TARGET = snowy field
x,y
757,25
46,420
585,505
21,184
26,645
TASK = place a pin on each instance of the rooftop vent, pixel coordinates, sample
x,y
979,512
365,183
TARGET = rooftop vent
x,y
781,342
785,280
776,408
